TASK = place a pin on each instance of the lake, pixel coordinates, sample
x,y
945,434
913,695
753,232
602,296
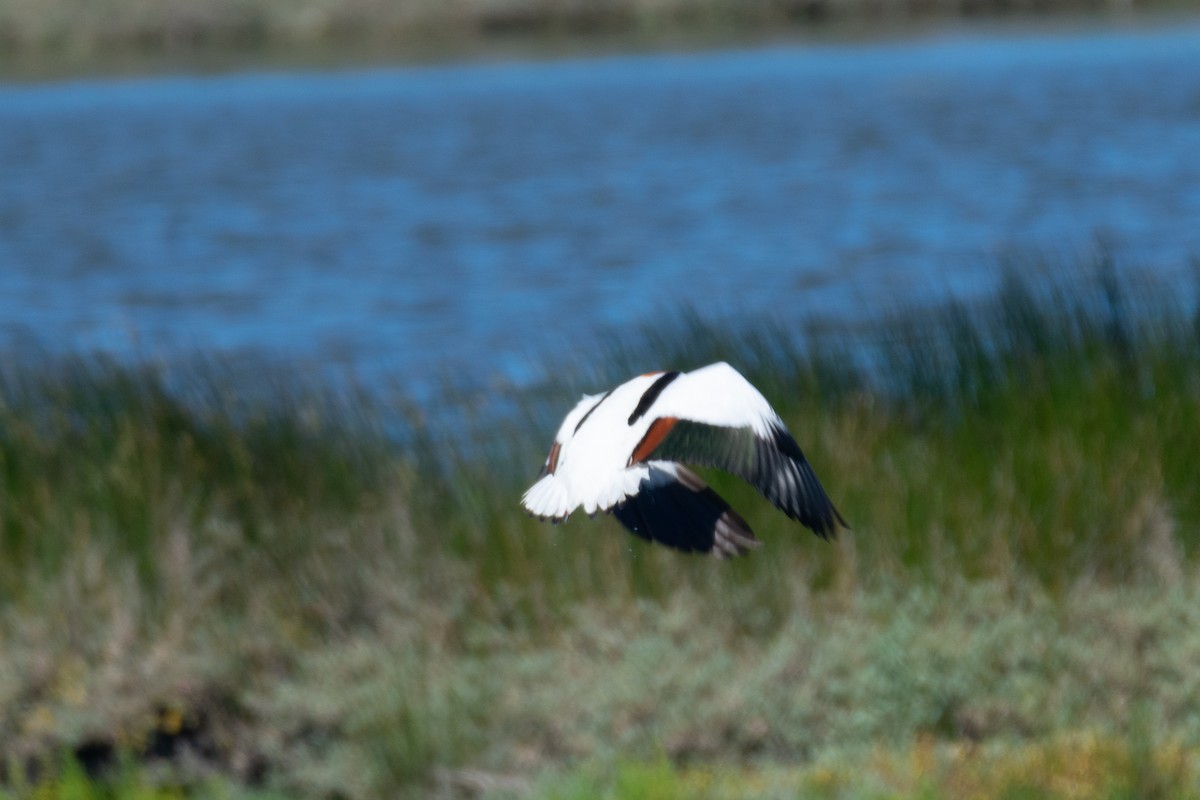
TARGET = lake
x,y
479,219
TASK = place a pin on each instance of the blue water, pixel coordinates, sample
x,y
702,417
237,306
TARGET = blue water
x,y
478,219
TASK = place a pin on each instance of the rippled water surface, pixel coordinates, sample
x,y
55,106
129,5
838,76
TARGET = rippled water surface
x,y
390,222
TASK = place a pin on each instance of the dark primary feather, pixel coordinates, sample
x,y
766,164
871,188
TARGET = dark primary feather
x,y
776,467
684,514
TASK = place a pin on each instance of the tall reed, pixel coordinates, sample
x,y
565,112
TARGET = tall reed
x,y
289,568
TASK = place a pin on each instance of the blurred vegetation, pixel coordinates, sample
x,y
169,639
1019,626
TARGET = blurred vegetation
x,y
214,588
89,31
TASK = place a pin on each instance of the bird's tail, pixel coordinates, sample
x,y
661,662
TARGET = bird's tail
x,y
547,499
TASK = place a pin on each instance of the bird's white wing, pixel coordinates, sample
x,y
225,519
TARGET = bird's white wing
x,y
715,417
717,395
549,497
575,416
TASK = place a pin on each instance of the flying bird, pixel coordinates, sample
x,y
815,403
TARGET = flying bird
x,y
624,452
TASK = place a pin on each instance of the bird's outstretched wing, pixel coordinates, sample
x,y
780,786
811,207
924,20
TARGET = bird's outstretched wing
x,y
714,417
674,507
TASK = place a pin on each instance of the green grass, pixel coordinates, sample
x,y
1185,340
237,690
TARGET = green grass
x,y
1083,766
237,587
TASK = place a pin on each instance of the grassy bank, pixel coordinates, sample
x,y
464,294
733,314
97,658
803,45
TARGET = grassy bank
x,y
82,32
251,590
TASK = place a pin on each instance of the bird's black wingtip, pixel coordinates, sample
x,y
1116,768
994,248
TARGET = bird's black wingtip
x,y
826,526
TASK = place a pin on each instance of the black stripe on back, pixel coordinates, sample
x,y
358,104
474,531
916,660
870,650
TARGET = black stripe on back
x,y
651,394
579,424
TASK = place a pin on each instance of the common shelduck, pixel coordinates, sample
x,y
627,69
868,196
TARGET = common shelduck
x,y
620,452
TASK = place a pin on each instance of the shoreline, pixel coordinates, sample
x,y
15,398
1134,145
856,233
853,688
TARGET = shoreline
x,y
25,58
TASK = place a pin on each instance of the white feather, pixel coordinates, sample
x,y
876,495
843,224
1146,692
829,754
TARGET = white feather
x,y
593,469
590,464
717,395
